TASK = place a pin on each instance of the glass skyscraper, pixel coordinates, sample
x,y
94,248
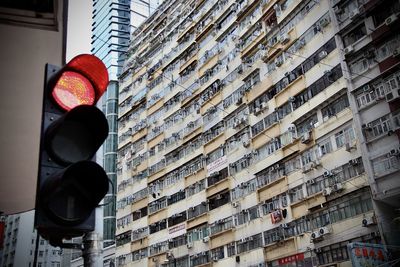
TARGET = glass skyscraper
x,y
113,23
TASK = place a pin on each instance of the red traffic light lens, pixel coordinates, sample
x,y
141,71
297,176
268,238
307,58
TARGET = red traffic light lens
x,y
73,89
81,82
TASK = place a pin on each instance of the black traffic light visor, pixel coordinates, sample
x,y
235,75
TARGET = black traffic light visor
x,y
77,135
70,196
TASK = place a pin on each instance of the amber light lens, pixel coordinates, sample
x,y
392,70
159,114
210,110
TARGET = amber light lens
x,y
73,89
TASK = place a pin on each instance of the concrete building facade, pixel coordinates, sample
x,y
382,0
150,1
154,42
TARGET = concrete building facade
x,y
258,133
21,242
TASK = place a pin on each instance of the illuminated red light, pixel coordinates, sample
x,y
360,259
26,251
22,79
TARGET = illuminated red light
x,y
81,82
73,89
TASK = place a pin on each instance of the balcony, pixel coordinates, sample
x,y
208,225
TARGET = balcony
x,y
221,226
191,128
218,186
219,200
292,88
197,211
386,165
272,187
217,176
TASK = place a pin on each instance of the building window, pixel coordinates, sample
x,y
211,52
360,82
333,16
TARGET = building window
x,y
221,225
334,108
385,164
198,233
296,194
217,253
325,147
249,243
378,127
354,35
344,137
200,258
219,200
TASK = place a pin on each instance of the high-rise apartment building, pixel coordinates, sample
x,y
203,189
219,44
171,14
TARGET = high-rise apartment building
x,y
113,23
21,243
259,133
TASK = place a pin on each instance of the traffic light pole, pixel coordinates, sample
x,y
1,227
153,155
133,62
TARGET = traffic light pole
x,y
91,250
92,247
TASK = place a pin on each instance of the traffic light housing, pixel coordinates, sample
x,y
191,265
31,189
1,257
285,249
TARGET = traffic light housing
x,y
71,185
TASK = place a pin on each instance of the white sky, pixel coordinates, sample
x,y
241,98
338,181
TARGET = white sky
x,y
79,28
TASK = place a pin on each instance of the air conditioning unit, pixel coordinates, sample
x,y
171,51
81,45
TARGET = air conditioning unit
x,y
206,239
368,221
315,236
235,204
291,99
327,174
389,96
327,191
324,231
189,245
366,88
390,19
215,258
348,49
284,38
324,22
246,143
322,54
337,187
394,152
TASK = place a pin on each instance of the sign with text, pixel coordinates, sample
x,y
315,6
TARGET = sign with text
x,y
217,165
293,258
365,254
177,230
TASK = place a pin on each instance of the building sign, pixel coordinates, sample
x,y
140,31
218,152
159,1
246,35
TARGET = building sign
x,y
364,254
217,165
177,230
289,259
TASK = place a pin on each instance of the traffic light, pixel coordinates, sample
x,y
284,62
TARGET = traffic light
x,y
71,185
